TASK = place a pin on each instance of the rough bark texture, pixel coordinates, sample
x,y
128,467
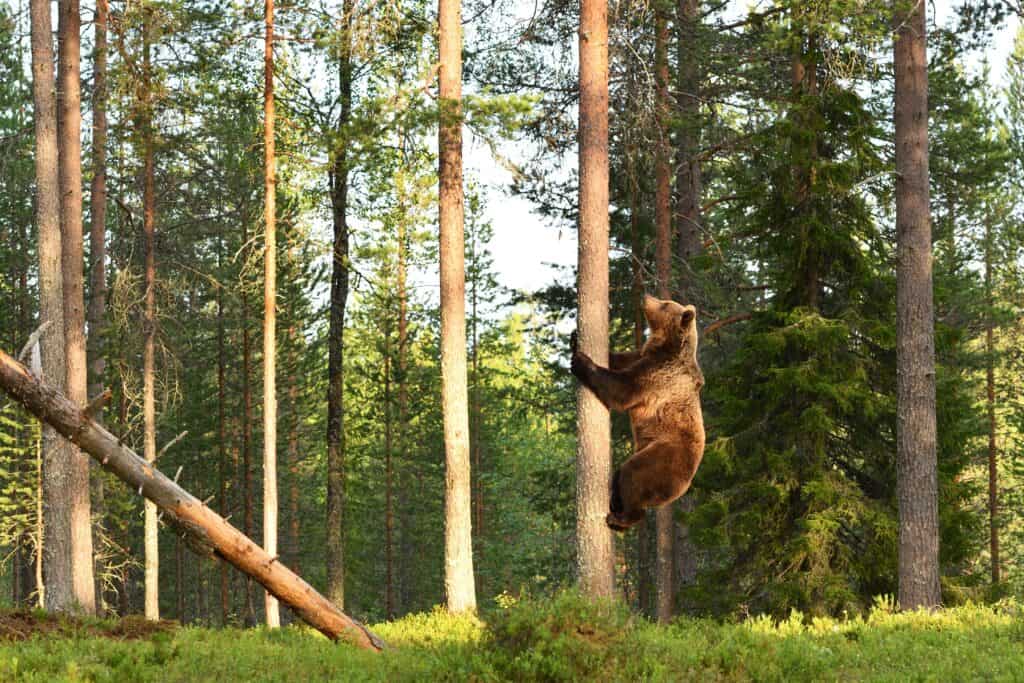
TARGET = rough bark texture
x,y
594,548
459,584
273,616
152,546
69,123
915,344
56,451
389,519
222,455
689,177
206,532
403,399
339,174
664,516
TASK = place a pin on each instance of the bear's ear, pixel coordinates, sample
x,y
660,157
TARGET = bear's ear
x,y
686,318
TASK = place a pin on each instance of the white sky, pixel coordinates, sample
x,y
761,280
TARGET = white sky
x,y
524,243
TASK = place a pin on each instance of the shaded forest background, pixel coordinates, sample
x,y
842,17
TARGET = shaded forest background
x,y
795,503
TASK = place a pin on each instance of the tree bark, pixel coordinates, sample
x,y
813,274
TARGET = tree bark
x,y
403,387
917,475
247,511
56,453
389,520
152,546
689,175
339,177
664,517
459,583
222,456
69,124
206,532
594,547
96,349
273,616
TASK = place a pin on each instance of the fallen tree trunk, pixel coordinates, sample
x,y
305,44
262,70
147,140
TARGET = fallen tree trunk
x,y
204,530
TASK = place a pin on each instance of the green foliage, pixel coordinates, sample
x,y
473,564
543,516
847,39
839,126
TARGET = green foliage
x,y
565,638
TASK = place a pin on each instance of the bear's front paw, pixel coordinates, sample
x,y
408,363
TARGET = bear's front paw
x,y
614,523
574,341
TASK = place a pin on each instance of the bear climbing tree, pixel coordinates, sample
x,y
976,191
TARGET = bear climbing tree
x,y
205,531
659,387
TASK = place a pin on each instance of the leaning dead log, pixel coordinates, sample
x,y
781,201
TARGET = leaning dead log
x,y
204,530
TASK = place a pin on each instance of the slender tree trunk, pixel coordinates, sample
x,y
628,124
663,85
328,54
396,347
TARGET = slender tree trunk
x,y
294,542
459,584
53,509
403,396
222,455
990,395
96,351
594,547
689,197
664,516
247,502
917,473
644,587
339,176
179,578
273,615
689,175
152,546
56,453
475,408
389,520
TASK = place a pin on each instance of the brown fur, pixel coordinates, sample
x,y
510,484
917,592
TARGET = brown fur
x,y
659,387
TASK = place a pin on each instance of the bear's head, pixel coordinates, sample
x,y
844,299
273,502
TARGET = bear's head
x,y
673,326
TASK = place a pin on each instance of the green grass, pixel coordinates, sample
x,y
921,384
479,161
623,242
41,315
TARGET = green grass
x,y
564,638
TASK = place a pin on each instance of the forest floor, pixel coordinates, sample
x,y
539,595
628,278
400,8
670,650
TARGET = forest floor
x,y
565,638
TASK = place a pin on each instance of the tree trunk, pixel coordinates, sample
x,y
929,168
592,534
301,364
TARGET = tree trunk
x,y
990,395
403,390
96,351
294,546
55,450
664,517
389,520
222,456
339,177
273,615
206,532
247,512
152,546
594,547
459,582
689,176
917,473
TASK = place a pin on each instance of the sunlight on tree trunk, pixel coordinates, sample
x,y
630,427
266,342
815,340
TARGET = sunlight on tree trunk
x,y
594,547
917,470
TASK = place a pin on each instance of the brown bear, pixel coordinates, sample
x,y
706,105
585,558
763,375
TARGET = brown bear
x,y
659,387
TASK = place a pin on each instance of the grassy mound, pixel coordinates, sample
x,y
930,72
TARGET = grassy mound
x,y
561,638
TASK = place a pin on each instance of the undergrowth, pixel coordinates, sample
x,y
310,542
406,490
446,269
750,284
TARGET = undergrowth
x,y
561,638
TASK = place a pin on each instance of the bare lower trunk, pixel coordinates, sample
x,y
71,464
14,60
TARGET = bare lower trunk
x,y
594,547
403,390
55,450
273,616
389,520
205,531
917,474
96,351
222,456
339,177
459,583
247,512
664,517
152,546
